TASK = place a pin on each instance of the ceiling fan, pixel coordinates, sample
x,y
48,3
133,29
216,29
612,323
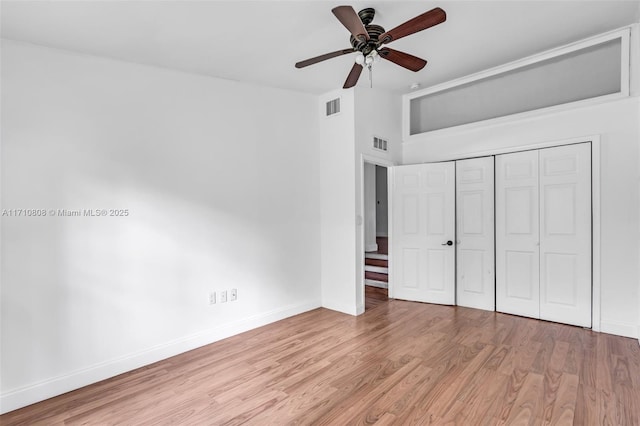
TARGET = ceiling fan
x,y
368,39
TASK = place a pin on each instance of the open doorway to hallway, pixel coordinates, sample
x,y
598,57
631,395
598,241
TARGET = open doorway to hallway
x,y
376,241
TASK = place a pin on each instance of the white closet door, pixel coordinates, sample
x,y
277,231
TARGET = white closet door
x,y
422,261
565,234
475,287
517,234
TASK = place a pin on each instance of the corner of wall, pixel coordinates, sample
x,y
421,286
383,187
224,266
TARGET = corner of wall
x,y
336,137
378,113
634,59
638,199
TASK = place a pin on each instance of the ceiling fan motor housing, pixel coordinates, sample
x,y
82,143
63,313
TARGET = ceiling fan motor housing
x,y
367,46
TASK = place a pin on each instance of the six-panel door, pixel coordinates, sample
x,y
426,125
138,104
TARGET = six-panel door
x,y
475,264
423,264
543,234
565,234
517,235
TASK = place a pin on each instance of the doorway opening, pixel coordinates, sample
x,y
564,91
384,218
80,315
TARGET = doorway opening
x,y
376,235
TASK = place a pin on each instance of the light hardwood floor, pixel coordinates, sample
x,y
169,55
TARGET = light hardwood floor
x,y
374,296
399,363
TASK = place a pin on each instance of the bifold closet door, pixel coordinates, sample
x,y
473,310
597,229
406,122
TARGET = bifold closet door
x,y
543,234
475,265
565,234
423,231
517,234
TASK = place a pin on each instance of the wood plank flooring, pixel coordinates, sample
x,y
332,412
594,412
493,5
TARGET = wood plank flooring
x,y
399,363
374,296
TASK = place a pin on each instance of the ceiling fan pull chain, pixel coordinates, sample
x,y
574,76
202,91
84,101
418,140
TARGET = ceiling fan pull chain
x,y
370,77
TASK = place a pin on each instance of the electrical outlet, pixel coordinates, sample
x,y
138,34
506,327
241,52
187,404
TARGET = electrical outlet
x,y
234,294
212,298
223,296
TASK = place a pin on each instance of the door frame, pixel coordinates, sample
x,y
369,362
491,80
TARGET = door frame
x,y
365,158
595,208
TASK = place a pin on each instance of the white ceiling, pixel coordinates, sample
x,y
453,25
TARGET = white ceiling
x,y
259,41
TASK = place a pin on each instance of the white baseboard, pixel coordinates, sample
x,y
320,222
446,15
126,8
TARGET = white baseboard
x,y
49,388
619,328
340,307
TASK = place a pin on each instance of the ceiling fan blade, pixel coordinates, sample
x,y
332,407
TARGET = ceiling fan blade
x,y
350,19
353,76
405,60
324,57
419,23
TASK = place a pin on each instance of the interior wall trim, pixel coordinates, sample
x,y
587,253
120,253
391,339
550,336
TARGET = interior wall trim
x,y
619,328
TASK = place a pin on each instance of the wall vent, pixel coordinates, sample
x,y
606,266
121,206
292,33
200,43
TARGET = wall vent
x,y
379,143
333,107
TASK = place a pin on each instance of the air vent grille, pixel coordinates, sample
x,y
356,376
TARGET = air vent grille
x,y
333,107
379,143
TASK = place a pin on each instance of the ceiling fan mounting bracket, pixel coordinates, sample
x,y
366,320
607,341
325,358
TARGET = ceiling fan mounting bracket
x,y
366,15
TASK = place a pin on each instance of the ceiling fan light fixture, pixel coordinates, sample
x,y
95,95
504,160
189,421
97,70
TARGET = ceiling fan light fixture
x,y
360,58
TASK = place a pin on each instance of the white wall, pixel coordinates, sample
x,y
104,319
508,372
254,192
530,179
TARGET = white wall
x,y
617,124
222,184
635,91
370,217
337,203
382,198
345,143
377,113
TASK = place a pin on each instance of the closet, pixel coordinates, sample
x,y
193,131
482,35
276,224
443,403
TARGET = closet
x,y
510,233
543,234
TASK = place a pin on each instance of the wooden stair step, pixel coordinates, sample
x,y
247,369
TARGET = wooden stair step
x,y
376,276
376,262
374,255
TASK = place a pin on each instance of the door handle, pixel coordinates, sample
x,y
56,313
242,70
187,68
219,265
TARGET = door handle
x,y
448,243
